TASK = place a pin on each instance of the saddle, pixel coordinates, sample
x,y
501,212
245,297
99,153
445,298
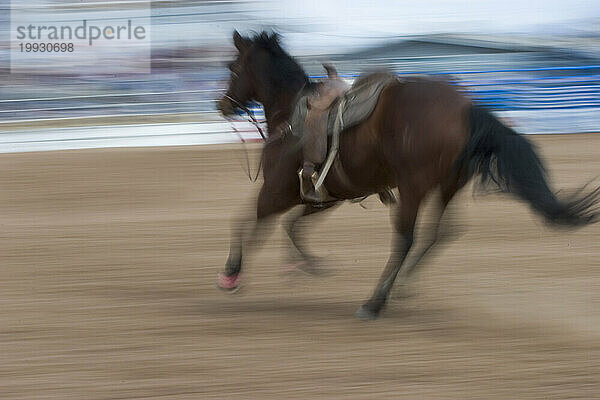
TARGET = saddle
x,y
331,108
359,101
319,105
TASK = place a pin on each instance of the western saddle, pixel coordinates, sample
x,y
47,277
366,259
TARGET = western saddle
x,y
328,103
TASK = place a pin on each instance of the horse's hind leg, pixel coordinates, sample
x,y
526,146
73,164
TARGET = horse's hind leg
x,y
292,225
403,240
413,260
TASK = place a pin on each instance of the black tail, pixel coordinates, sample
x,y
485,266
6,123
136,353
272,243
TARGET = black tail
x,y
502,156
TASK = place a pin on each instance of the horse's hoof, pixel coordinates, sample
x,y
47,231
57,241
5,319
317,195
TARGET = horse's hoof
x,y
229,284
293,266
366,314
304,267
402,292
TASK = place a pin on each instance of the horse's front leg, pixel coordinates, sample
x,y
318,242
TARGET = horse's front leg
x,y
274,198
229,279
293,223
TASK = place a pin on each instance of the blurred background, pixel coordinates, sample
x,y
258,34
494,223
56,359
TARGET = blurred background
x,y
536,63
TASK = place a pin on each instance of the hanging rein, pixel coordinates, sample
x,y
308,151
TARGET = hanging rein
x,y
256,124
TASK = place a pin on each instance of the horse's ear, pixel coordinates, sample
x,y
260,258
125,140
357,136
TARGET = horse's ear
x,y
239,41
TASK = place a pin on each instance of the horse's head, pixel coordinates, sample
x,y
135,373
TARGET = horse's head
x,y
246,73
262,71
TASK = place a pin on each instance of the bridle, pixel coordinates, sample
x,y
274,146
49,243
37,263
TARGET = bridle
x,y
285,128
251,119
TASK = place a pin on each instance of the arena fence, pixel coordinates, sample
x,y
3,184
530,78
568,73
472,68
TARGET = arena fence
x,y
536,100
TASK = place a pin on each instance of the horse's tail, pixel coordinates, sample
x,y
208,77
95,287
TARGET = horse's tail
x,y
502,156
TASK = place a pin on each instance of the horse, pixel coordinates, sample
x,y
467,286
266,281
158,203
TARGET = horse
x,y
422,135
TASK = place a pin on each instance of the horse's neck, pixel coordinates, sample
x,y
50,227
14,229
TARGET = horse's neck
x,y
278,109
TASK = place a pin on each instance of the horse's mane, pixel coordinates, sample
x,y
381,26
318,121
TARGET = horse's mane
x,y
286,71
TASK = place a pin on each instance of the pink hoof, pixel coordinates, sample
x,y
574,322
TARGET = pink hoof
x,y
230,284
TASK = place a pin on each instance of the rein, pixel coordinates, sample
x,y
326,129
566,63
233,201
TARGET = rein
x,y
249,113
252,119
256,124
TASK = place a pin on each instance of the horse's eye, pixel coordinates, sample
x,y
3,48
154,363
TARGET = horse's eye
x,y
231,65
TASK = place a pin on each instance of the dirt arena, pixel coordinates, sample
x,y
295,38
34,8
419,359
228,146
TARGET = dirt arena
x,y
108,263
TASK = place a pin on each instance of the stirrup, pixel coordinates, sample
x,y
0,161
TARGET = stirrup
x,y
308,192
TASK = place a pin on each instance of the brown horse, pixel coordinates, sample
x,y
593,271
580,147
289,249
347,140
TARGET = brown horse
x,y
422,135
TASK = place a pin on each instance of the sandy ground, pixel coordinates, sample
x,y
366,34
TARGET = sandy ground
x,y
109,257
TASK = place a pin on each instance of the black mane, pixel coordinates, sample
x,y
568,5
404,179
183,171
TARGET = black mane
x,y
286,72
268,42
